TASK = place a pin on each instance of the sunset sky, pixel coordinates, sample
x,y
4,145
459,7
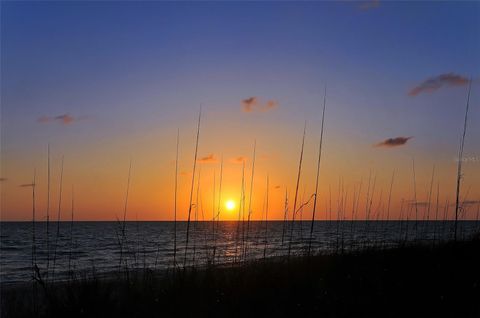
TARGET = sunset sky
x,y
108,82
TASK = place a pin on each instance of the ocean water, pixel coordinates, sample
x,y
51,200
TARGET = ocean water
x,y
100,247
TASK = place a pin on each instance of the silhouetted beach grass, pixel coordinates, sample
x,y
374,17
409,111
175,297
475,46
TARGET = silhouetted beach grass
x,y
409,281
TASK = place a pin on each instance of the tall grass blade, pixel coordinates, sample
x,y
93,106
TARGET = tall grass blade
x,y
460,159
296,189
318,173
245,243
191,189
58,221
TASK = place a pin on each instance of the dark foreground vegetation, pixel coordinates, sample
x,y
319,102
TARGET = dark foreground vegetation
x,y
413,281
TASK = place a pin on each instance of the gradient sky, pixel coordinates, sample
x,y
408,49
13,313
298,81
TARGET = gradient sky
x,y
108,82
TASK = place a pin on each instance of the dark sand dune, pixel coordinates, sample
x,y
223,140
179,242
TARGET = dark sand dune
x,y
414,281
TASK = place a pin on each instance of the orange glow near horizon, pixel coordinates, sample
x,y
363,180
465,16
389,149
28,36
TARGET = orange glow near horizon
x,y
100,191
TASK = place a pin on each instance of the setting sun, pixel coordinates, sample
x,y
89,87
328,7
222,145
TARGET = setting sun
x,y
230,205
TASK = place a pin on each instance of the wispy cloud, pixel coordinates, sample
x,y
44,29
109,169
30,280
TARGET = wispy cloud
x,y
239,160
277,187
64,119
44,119
25,185
418,203
253,103
368,5
393,142
249,104
434,83
210,158
466,203
3,179
471,202
270,104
